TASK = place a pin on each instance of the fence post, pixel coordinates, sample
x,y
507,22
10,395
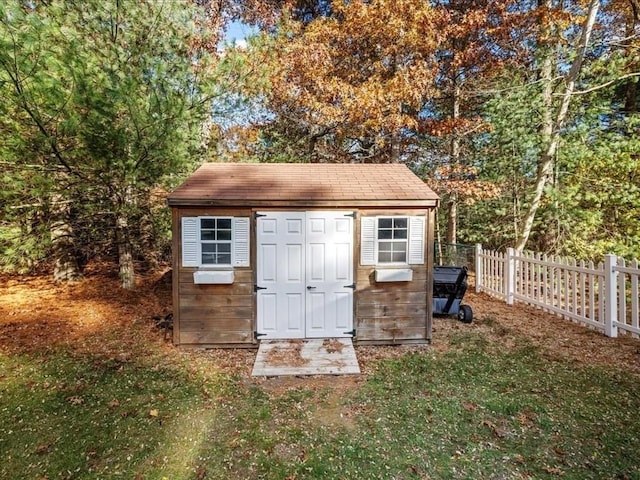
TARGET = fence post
x,y
510,276
610,296
478,268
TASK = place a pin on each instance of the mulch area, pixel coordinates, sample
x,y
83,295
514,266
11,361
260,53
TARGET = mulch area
x,y
558,338
96,317
93,316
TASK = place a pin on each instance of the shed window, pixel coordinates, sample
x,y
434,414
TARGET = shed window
x,y
215,236
215,241
392,239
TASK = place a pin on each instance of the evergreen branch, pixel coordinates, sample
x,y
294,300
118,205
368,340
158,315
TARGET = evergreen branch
x,y
494,91
13,71
604,85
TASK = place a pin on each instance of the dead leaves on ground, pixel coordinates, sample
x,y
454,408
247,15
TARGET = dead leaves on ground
x,y
96,317
92,316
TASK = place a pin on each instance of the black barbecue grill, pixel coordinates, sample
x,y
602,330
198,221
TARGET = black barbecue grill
x,y
449,287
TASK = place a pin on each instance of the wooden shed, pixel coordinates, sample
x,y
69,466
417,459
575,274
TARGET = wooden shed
x,y
282,251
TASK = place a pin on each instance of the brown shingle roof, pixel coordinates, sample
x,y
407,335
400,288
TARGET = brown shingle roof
x,y
303,184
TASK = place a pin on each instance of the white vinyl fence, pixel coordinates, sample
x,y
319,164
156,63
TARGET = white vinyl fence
x,y
604,296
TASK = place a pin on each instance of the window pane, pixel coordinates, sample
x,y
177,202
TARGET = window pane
x,y
224,248
209,248
400,257
384,234
384,257
385,222
209,223
399,252
400,234
224,259
207,235
399,247
400,222
224,223
208,259
224,235
385,246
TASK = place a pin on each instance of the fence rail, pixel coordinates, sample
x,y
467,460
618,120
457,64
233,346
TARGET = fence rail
x,y
604,296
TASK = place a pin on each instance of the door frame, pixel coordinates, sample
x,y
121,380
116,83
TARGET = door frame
x,y
257,214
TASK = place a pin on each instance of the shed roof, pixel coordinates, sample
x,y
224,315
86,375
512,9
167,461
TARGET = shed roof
x,y
303,184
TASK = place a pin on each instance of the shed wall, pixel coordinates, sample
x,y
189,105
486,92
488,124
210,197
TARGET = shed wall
x,y
225,315
395,312
211,314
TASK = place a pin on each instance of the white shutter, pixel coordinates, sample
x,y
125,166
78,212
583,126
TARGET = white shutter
x,y
241,253
367,240
416,240
190,242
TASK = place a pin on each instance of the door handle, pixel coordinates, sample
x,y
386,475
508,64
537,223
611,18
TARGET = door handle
x,y
309,287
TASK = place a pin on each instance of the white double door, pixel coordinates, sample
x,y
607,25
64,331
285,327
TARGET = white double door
x,y
305,274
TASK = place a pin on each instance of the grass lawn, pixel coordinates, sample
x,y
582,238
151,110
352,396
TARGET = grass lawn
x,y
485,401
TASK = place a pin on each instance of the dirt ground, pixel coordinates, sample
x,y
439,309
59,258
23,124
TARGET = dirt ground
x,y
96,317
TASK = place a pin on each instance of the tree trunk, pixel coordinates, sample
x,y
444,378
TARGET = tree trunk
x,y
123,239
631,88
125,253
545,163
550,144
452,204
452,218
66,267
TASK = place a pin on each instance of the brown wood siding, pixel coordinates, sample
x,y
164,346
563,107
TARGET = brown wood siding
x,y
430,255
391,311
211,315
394,312
176,251
225,315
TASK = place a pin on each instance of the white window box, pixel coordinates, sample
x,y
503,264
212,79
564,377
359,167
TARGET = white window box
x,y
213,277
394,274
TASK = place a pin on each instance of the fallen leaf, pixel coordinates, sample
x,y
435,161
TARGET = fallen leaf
x,y
153,413
554,471
44,448
498,431
114,403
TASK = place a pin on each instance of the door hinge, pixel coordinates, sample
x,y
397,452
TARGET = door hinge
x,y
352,214
351,332
258,215
256,288
257,335
352,286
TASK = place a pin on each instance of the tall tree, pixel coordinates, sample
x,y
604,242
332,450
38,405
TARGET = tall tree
x,y
554,117
112,97
350,86
469,55
522,109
